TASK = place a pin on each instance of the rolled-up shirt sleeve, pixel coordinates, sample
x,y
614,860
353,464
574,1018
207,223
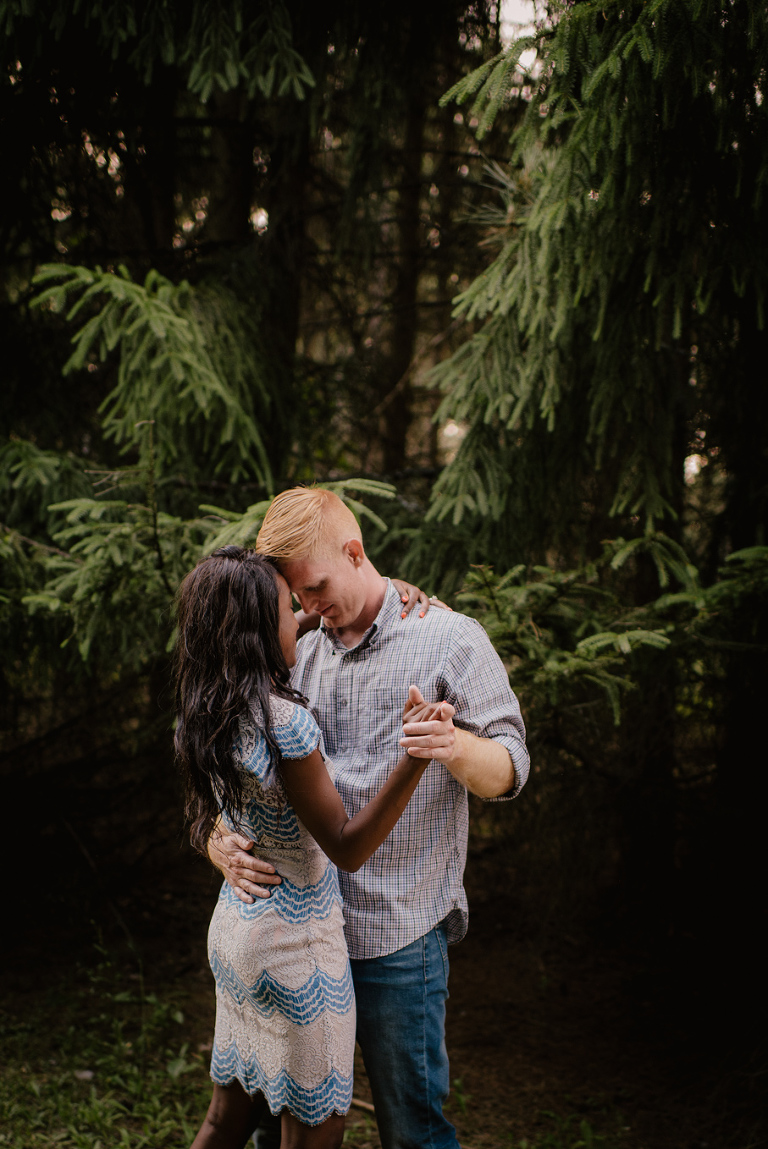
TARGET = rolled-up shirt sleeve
x,y
476,684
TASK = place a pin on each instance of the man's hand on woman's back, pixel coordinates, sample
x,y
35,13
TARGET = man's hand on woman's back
x,y
248,876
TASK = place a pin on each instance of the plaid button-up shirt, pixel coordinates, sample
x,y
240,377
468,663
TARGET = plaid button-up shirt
x,y
415,879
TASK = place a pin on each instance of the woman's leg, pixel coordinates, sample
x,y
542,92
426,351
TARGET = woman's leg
x,y
267,1134
231,1118
329,1135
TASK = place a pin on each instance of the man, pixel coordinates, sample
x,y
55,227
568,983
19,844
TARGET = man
x,y
407,902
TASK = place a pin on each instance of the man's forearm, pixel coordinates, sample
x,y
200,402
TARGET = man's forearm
x,y
482,765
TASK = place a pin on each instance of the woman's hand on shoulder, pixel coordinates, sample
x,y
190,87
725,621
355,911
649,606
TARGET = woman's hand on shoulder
x,y
410,595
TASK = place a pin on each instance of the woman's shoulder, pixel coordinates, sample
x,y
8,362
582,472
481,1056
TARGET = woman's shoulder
x,y
284,711
293,727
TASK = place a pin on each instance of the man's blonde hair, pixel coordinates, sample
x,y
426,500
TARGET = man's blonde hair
x,y
305,522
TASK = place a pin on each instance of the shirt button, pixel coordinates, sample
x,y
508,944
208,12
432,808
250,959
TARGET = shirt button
x,y
342,702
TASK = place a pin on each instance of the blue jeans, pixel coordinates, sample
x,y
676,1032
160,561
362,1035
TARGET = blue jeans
x,y
401,1030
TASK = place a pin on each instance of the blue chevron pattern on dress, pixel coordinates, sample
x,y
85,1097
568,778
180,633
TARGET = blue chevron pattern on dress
x,y
273,823
289,901
320,993
311,1106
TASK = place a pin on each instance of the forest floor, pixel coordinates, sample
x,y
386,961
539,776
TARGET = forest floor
x,y
561,1044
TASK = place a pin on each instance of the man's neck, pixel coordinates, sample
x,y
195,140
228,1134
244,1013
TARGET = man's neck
x,y
350,635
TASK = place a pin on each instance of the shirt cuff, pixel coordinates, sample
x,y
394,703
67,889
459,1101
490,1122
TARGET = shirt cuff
x,y
521,763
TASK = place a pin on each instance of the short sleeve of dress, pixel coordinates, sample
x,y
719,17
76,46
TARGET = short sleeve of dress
x,y
293,728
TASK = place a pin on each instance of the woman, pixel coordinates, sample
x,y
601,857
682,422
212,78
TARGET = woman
x,y
249,750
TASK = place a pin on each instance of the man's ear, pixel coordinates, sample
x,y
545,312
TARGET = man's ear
x,y
354,551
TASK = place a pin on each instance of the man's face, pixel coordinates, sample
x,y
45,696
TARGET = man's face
x,y
331,585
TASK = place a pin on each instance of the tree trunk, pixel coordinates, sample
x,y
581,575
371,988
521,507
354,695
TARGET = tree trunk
x,y
396,413
152,180
231,172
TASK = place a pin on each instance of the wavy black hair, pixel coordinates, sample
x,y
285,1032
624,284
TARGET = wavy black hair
x,y
228,660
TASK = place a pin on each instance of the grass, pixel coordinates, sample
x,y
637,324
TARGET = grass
x,y
107,1066
567,1133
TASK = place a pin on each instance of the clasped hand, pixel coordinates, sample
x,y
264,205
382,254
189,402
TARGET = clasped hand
x,y
428,730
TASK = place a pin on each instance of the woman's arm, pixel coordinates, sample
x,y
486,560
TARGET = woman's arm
x,y
350,841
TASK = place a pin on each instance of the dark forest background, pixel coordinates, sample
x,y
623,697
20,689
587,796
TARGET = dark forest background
x,y
506,292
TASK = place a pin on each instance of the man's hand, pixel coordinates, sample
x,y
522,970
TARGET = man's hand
x,y
248,876
428,731
480,764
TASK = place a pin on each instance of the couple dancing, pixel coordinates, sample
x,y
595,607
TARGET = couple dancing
x,y
264,730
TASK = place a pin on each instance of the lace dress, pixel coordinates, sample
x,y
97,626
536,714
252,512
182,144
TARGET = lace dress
x,y
285,1006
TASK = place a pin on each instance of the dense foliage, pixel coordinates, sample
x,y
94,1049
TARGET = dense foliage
x,y
623,314
232,229
237,231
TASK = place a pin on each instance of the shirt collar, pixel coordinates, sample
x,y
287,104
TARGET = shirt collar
x,y
390,611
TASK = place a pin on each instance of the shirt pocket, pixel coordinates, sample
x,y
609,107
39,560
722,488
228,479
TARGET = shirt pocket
x,y
385,712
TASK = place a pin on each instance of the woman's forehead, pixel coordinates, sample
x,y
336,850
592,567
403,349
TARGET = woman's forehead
x,y
282,585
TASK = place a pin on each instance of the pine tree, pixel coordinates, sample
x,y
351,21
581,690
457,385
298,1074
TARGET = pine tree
x,y
621,322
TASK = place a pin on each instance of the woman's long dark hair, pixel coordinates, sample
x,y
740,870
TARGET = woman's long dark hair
x,y
228,660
